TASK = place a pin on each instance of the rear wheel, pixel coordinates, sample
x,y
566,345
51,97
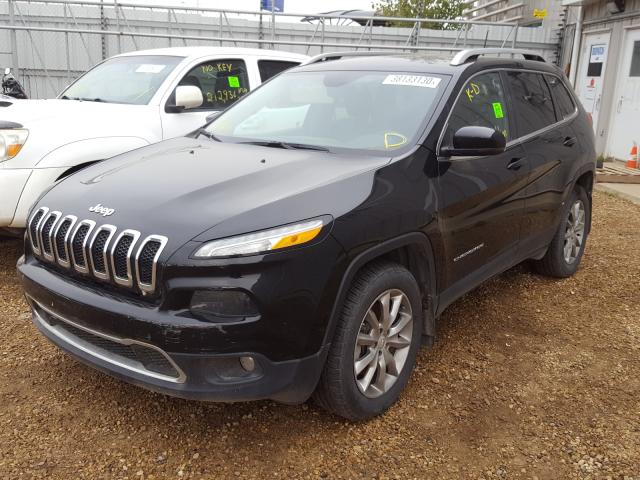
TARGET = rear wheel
x,y
375,344
567,247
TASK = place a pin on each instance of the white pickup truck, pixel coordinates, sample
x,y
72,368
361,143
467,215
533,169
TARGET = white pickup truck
x,y
123,103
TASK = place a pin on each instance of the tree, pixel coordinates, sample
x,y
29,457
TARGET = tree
x,y
440,9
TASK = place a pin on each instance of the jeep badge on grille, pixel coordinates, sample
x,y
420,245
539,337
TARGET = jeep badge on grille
x,y
104,211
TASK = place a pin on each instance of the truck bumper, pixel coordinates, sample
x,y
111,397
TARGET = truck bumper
x,y
12,183
39,181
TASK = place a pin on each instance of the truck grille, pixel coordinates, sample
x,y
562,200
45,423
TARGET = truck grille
x,y
100,251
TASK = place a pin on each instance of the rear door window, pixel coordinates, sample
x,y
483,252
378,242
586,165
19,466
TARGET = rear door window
x,y
482,103
271,68
561,97
222,82
531,101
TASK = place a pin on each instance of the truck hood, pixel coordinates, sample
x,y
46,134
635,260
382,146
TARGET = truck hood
x,y
188,188
54,123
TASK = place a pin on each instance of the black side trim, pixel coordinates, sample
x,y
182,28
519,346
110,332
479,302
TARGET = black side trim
x,y
414,238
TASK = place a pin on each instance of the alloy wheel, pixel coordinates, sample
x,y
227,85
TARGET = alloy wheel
x,y
383,343
574,233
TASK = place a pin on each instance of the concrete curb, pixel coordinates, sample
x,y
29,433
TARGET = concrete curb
x,y
614,191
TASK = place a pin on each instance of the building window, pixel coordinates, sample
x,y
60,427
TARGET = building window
x,y
596,60
635,60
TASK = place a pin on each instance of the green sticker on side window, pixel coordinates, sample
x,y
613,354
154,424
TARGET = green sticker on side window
x,y
497,110
234,82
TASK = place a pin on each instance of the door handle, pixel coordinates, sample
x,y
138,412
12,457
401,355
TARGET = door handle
x,y
569,141
620,104
515,163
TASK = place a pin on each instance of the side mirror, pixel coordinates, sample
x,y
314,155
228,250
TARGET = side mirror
x,y
7,71
188,96
475,142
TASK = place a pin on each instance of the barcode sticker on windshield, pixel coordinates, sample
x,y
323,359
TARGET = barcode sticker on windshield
x,y
412,81
150,68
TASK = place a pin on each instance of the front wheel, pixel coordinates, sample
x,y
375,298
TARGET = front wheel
x,y
375,345
567,247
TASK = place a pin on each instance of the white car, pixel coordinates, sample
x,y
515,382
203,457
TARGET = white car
x,y
123,103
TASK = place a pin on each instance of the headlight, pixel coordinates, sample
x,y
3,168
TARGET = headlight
x,y
11,142
265,241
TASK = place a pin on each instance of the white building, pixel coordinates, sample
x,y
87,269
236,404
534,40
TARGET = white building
x,y
606,70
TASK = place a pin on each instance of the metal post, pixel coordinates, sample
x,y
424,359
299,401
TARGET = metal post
x,y
103,26
575,51
260,32
273,21
118,38
220,28
322,40
66,44
515,37
14,40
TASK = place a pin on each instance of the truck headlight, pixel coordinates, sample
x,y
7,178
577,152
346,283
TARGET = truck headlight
x,y
11,142
264,241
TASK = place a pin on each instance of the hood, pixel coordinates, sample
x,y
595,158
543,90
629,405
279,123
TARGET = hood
x,y
54,123
189,188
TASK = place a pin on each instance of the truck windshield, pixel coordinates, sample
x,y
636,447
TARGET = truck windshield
x,y
371,110
132,80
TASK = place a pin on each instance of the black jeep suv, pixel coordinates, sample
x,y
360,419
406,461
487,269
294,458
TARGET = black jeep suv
x,y
304,242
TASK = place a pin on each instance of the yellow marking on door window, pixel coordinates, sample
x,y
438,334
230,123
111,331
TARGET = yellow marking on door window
x,y
472,91
388,137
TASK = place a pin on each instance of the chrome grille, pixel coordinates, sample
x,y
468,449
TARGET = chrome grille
x,y
33,228
121,257
100,251
45,235
61,240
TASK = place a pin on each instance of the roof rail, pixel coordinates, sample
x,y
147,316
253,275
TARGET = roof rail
x,y
324,57
472,54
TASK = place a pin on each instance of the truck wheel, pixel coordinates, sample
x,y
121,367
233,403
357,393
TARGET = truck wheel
x,y
375,344
565,250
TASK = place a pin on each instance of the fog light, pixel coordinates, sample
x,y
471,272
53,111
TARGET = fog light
x,y
222,305
248,363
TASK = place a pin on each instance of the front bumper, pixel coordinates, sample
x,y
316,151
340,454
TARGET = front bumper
x,y
19,190
143,353
12,183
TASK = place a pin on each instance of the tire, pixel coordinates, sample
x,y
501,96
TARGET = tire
x,y
555,262
338,390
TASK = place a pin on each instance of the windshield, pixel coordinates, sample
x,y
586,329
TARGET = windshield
x,y
380,111
132,80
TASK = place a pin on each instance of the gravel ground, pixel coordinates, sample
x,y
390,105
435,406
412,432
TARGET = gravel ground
x,y
531,378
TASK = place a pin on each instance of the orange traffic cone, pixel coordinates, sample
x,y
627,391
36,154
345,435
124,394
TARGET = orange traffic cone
x,y
633,157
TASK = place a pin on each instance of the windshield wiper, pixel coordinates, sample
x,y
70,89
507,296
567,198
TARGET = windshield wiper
x,y
286,145
210,135
64,97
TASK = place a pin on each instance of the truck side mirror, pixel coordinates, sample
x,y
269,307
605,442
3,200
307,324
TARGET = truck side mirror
x,y
188,97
